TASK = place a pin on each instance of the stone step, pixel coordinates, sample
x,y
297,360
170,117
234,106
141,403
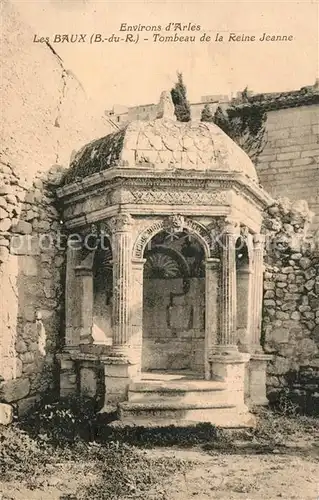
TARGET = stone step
x,y
179,392
221,415
183,385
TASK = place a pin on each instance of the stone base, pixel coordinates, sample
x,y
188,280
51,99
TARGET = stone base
x,y
88,381
229,368
119,373
160,414
257,379
68,375
172,399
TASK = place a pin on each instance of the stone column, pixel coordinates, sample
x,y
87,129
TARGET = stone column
x,y
227,363
256,293
258,360
122,274
211,310
72,334
84,294
121,367
137,313
227,335
244,281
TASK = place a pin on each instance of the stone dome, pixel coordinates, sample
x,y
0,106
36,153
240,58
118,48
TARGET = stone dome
x,y
163,145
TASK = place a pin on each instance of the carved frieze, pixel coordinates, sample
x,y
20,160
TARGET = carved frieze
x,y
176,197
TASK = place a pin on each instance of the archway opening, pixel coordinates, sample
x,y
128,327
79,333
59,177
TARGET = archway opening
x,y
174,304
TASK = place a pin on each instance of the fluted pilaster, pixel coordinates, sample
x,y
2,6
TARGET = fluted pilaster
x,y
122,248
228,294
257,293
85,291
211,310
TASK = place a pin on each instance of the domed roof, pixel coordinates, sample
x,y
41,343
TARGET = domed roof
x,y
163,144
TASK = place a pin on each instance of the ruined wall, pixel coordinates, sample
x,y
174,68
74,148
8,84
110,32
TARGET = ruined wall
x,y
289,164
45,117
31,274
291,305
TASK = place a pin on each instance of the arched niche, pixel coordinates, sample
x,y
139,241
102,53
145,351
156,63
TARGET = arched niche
x,y
102,276
174,303
89,291
171,225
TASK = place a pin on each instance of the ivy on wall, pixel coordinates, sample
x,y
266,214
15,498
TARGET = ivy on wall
x,y
244,123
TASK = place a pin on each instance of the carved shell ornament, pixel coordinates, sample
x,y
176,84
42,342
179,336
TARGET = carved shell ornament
x,y
176,223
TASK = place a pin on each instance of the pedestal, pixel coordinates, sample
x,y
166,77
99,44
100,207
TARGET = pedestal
x,y
68,375
230,369
119,373
257,369
88,379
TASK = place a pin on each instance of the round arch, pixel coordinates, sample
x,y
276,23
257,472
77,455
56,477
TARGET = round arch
x,y
197,230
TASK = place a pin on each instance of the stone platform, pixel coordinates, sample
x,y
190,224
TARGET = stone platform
x,y
160,399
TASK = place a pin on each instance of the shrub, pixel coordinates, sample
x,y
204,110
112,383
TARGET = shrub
x,y
63,420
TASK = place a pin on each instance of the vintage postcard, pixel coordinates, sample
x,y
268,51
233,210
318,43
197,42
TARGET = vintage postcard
x,y
159,250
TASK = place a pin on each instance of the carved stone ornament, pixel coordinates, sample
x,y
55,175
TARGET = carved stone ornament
x,y
231,226
244,232
175,223
120,222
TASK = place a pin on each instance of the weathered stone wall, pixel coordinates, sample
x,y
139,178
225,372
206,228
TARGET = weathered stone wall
x,y
288,167
45,117
32,252
291,305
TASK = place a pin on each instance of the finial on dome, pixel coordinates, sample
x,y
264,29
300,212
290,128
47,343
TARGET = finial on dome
x,y
165,107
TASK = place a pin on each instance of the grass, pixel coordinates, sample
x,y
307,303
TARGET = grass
x,y
118,470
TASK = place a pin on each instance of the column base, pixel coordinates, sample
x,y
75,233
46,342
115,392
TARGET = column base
x,y
119,373
88,380
257,379
230,369
68,375
225,350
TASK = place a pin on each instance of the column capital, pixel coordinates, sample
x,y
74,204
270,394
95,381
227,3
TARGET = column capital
x,y
231,227
259,240
212,263
83,270
120,223
138,262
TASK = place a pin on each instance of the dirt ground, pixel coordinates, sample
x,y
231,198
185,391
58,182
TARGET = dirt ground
x,y
249,477
212,475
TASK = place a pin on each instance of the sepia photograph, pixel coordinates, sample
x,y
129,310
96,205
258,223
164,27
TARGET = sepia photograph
x,y
159,250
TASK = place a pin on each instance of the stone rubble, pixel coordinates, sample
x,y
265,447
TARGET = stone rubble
x,y
291,304
30,269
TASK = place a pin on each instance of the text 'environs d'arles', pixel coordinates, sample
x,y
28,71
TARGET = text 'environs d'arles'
x,y
172,32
